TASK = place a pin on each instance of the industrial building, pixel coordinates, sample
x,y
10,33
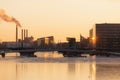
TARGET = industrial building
x,y
24,43
105,37
45,42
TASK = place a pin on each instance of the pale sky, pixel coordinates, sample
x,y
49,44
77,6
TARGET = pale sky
x,y
60,18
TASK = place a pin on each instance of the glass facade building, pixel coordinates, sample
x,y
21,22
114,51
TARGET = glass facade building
x,y
105,36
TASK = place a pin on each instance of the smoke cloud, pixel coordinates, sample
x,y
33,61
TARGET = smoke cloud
x,y
7,18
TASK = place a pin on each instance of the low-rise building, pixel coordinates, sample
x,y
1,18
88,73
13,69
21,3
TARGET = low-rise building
x,y
45,42
71,43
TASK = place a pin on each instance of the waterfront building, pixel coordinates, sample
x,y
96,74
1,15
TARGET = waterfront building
x,y
62,45
71,42
28,39
40,42
105,37
14,45
45,42
84,42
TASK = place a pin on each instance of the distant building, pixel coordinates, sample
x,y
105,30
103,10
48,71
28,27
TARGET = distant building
x,y
105,36
45,42
14,45
11,45
84,42
41,42
62,45
28,42
49,40
28,39
71,42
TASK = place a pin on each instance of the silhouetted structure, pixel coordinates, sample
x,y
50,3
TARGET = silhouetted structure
x,y
62,45
105,37
28,39
45,42
84,42
71,43
16,34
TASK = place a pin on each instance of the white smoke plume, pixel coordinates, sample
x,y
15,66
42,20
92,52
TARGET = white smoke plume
x,y
7,18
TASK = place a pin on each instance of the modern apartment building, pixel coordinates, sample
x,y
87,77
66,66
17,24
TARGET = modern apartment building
x,y
105,36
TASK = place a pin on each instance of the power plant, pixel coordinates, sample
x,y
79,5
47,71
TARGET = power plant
x,y
24,34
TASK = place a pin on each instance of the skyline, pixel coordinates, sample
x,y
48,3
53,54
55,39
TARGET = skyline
x,y
60,18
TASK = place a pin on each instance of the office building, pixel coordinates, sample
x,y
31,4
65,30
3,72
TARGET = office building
x,y
105,37
45,42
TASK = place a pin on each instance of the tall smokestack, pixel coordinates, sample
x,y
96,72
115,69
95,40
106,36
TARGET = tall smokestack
x,y
22,37
24,34
16,33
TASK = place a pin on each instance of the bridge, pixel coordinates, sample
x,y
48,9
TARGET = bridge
x,y
24,52
30,52
74,52
65,52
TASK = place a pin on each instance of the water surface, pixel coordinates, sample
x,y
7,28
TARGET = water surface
x,y
53,66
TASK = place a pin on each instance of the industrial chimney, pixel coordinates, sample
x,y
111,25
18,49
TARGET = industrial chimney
x,y
24,34
16,34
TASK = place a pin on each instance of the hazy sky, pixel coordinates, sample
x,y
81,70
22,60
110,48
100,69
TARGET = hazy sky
x,y
61,18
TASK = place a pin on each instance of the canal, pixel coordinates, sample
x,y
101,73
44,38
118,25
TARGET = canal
x,y
53,66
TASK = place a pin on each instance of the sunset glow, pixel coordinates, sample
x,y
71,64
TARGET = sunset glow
x,y
6,18
58,18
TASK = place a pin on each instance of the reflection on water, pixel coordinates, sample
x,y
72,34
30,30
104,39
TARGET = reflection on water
x,y
54,66
48,54
45,71
108,71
